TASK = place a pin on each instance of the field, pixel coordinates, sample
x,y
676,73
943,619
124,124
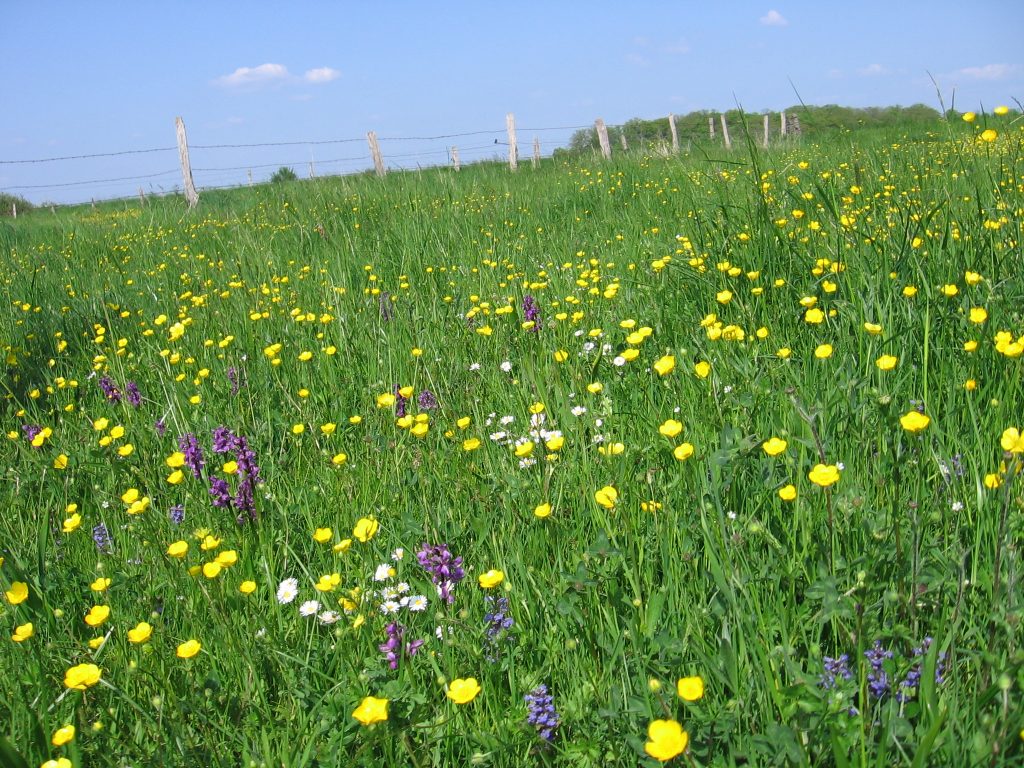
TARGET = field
x,y
711,458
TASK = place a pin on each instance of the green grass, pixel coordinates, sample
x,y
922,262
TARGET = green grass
x,y
699,569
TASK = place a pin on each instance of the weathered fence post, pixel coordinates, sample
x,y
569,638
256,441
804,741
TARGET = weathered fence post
x,y
142,197
675,135
14,210
378,161
312,170
623,142
782,124
602,138
513,148
766,131
455,157
250,177
725,132
186,170
711,128
536,151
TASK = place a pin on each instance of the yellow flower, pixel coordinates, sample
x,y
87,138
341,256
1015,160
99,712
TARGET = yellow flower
x,y
814,316
542,510
989,135
212,569
247,587
690,688
140,633
702,369
683,451
561,356
366,529
71,523
175,460
322,535
886,362
787,492
23,632
178,549
595,387
63,735
823,351
671,428
100,584
18,593
57,762
188,649
385,400
339,459
555,443
82,676
371,710
97,615
61,461
470,444
968,117
910,291
491,579
784,353
950,290
463,690
978,315
666,739
130,496
606,497
873,328
1012,440
774,446
914,421
723,297
665,365
1002,109
824,475
524,449
993,481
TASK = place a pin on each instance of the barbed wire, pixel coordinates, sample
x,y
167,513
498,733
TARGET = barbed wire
x,y
94,181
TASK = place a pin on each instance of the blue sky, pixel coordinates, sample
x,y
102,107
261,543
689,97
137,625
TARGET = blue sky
x,y
81,78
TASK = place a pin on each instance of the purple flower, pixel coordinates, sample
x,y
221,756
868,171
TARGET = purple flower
x,y
220,491
445,570
234,379
384,302
132,394
910,685
426,400
531,311
497,622
223,440
160,427
31,430
401,401
101,536
112,393
878,678
835,668
189,445
177,514
394,646
541,712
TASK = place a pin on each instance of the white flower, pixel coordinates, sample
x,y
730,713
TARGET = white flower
x,y
383,573
329,617
498,436
388,593
401,588
506,420
578,410
619,361
398,554
578,333
287,591
389,606
527,462
598,422
475,367
418,603
958,506
309,608
589,347
506,367
606,349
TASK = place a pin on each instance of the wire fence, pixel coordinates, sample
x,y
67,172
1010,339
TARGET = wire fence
x,y
214,166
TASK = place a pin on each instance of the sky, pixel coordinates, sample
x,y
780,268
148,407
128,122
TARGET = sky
x,y
104,77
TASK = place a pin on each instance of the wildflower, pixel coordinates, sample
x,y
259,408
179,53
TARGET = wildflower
x,y
824,475
886,362
787,492
878,679
287,591
178,549
1012,441
690,688
774,446
57,762
666,739
188,649
322,535
823,351
606,497
665,365
82,676
497,622
671,428
445,570
247,587
101,537
463,690
140,633
365,529
541,712
835,668
309,608
23,632
542,510
371,710
914,421
18,593
491,579
63,735
683,451
394,646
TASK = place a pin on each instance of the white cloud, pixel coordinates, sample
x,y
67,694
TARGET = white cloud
x,y
987,72
677,48
637,60
264,74
321,75
872,70
774,19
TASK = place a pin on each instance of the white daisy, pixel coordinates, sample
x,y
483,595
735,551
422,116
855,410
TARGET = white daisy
x,y
287,591
309,608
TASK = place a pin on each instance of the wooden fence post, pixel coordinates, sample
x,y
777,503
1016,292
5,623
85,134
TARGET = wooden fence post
x,y
378,161
725,132
675,135
312,170
186,170
782,123
513,148
766,131
536,151
455,157
623,142
142,197
14,210
250,177
602,138
711,127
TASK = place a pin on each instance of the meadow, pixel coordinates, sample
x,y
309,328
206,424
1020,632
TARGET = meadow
x,y
712,459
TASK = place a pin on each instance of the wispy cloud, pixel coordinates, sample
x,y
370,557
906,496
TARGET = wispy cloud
x,y
264,74
987,72
321,75
677,48
274,74
872,70
774,19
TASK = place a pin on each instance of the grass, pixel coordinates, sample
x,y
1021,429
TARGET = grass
x,y
696,568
